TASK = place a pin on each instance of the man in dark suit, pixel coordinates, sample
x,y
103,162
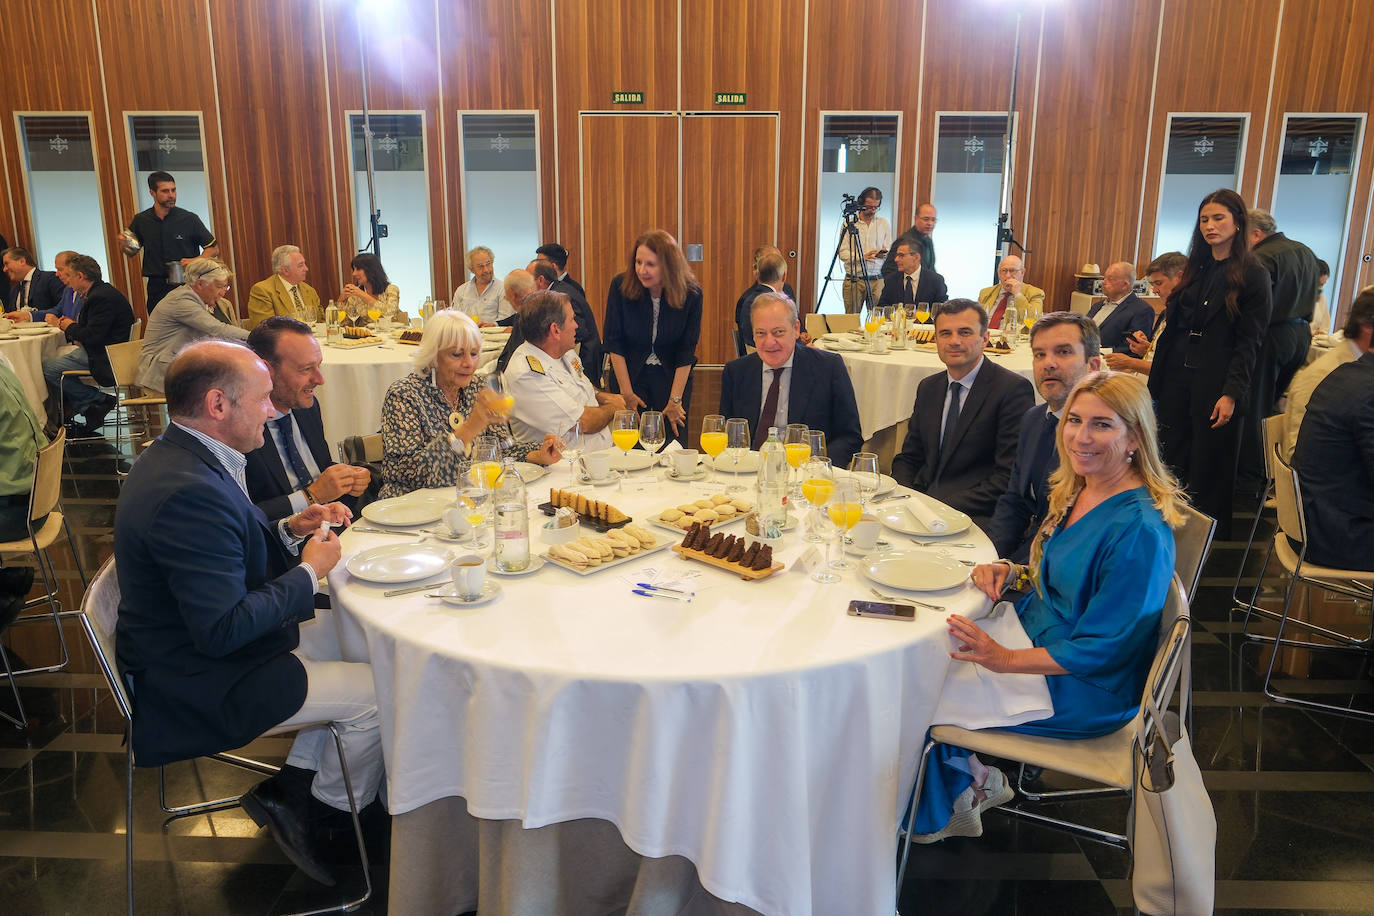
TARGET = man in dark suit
x,y
1064,347
770,276
783,383
546,276
919,233
912,283
215,631
105,319
961,442
1335,463
31,289
294,469
1121,312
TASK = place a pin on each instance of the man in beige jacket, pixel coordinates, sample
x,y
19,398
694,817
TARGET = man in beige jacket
x,y
286,292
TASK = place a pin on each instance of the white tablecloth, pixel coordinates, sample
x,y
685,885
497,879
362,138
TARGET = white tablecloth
x,y
885,386
355,383
26,353
760,731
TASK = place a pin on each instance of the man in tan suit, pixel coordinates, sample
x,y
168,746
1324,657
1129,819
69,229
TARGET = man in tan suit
x,y
286,293
1010,291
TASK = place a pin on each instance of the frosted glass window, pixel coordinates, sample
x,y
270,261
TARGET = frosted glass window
x,y
1202,154
967,194
398,164
1316,179
64,195
172,144
857,151
500,189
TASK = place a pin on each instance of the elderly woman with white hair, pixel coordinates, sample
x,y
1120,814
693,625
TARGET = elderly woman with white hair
x,y
188,313
431,417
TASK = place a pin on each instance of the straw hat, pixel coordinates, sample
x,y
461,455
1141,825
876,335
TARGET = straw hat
x,y
1089,270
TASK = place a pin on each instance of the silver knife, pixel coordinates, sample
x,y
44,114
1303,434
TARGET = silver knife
x,y
409,589
883,499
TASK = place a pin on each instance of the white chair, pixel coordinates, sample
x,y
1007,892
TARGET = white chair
x,y
99,618
1353,583
1108,760
1192,544
124,365
44,500
1275,432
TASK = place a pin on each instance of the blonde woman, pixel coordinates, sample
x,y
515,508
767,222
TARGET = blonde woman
x,y
1099,572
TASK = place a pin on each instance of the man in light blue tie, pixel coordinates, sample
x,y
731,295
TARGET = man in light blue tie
x,y
1065,346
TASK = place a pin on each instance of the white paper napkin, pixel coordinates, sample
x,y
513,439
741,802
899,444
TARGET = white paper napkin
x,y
975,697
927,516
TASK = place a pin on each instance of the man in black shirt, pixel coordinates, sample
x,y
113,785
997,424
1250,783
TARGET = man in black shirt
x,y
168,233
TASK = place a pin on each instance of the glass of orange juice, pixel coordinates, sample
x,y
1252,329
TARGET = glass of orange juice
x,y
501,402
818,482
797,450
624,433
713,437
844,511
922,312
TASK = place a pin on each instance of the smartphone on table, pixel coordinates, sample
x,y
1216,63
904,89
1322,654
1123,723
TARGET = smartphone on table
x,y
882,609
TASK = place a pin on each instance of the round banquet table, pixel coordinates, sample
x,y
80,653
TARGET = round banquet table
x,y
356,380
759,731
885,386
26,353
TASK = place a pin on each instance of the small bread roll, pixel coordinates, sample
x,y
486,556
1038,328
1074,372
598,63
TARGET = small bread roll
x,y
742,505
703,504
706,516
670,515
719,499
726,511
618,538
643,535
687,508
685,522
567,554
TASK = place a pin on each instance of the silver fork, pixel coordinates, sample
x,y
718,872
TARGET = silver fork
x,y
921,543
933,607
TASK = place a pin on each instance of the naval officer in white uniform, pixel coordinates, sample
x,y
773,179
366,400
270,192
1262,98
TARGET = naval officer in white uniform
x,y
545,377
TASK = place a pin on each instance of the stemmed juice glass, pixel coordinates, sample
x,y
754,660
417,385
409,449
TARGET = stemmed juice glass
x,y
651,434
816,439
573,443
872,323
713,438
922,312
818,482
737,444
844,511
797,450
625,434
863,467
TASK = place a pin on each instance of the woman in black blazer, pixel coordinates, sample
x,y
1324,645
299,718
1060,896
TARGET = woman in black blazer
x,y
653,321
1205,356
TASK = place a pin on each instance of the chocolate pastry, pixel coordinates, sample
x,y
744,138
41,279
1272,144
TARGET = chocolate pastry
x,y
691,535
712,544
747,561
765,558
736,552
724,547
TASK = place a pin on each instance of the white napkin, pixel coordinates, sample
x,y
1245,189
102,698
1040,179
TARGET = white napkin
x,y
926,516
974,697
842,343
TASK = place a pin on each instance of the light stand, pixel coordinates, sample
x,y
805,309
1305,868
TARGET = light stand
x,y
374,216
1005,237
849,235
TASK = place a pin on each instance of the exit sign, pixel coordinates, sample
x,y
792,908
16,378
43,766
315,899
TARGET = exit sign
x,y
729,98
627,97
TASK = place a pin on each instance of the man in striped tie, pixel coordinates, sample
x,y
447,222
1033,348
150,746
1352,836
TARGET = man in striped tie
x,y
286,293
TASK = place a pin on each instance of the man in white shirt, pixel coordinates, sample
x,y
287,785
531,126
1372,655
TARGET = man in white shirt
x,y
875,237
1121,314
546,379
1358,331
482,298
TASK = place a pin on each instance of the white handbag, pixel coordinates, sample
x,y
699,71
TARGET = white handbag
x,y
1173,827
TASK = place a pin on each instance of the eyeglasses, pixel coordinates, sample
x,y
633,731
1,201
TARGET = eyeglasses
x,y
1008,271
775,333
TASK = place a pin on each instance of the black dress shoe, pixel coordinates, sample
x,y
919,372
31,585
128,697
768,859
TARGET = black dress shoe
x,y
16,581
96,413
268,805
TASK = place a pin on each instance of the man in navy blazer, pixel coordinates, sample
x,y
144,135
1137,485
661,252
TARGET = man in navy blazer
x,y
925,284
213,598
960,448
813,386
1121,312
1065,346
105,318
294,468
38,291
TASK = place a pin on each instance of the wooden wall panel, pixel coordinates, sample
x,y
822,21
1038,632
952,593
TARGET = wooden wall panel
x,y
727,211
276,132
1085,188
629,177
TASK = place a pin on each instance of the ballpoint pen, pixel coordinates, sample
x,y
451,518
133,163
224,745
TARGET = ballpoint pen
x,y
646,594
662,588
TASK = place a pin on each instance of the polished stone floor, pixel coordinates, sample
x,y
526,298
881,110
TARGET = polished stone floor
x,y
1291,789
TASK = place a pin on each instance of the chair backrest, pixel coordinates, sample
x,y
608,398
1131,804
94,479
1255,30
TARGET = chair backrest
x,y
838,324
124,360
1275,432
136,329
1192,543
739,341
47,477
1288,498
1172,663
99,614
815,324
358,450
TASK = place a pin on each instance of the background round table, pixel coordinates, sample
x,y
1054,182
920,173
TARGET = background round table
x,y
26,353
759,731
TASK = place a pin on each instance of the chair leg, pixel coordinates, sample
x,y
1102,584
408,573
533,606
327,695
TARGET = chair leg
x,y
129,820
23,720
180,811
1269,691
48,572
1236,603
911,816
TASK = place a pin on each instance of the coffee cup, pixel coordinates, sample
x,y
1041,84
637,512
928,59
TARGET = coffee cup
x,y
685,462
6,325
456,522
864,534
597,465
469,572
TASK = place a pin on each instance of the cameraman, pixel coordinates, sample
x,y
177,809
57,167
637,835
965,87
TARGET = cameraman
x,y
875,237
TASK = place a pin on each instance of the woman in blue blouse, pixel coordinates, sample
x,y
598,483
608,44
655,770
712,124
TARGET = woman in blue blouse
x,y
1100,569
653,321
431,417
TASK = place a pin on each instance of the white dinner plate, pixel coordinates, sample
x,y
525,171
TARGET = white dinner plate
x,y
406,511
536,564
584,480
914,570
748,463
393,563
894,515
33,329
529,472
886,484
636,459
9,336
449,595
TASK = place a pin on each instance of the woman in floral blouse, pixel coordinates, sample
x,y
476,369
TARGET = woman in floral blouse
x,y
421,448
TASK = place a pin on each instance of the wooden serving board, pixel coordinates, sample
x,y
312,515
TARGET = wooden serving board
x,y
742,572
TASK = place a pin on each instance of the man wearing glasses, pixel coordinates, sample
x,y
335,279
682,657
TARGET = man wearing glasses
x,y
783,383
875,237
1010,291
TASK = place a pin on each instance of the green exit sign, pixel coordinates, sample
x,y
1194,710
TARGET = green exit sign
x,y
729,98
627,97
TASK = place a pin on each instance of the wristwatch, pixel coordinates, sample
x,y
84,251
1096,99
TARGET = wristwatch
x,y
675,400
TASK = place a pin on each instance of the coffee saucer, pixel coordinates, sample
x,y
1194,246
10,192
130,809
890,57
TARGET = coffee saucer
x,y
449,595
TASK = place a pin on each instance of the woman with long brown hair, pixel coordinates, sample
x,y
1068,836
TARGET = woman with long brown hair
x,y
653,322
1205,356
